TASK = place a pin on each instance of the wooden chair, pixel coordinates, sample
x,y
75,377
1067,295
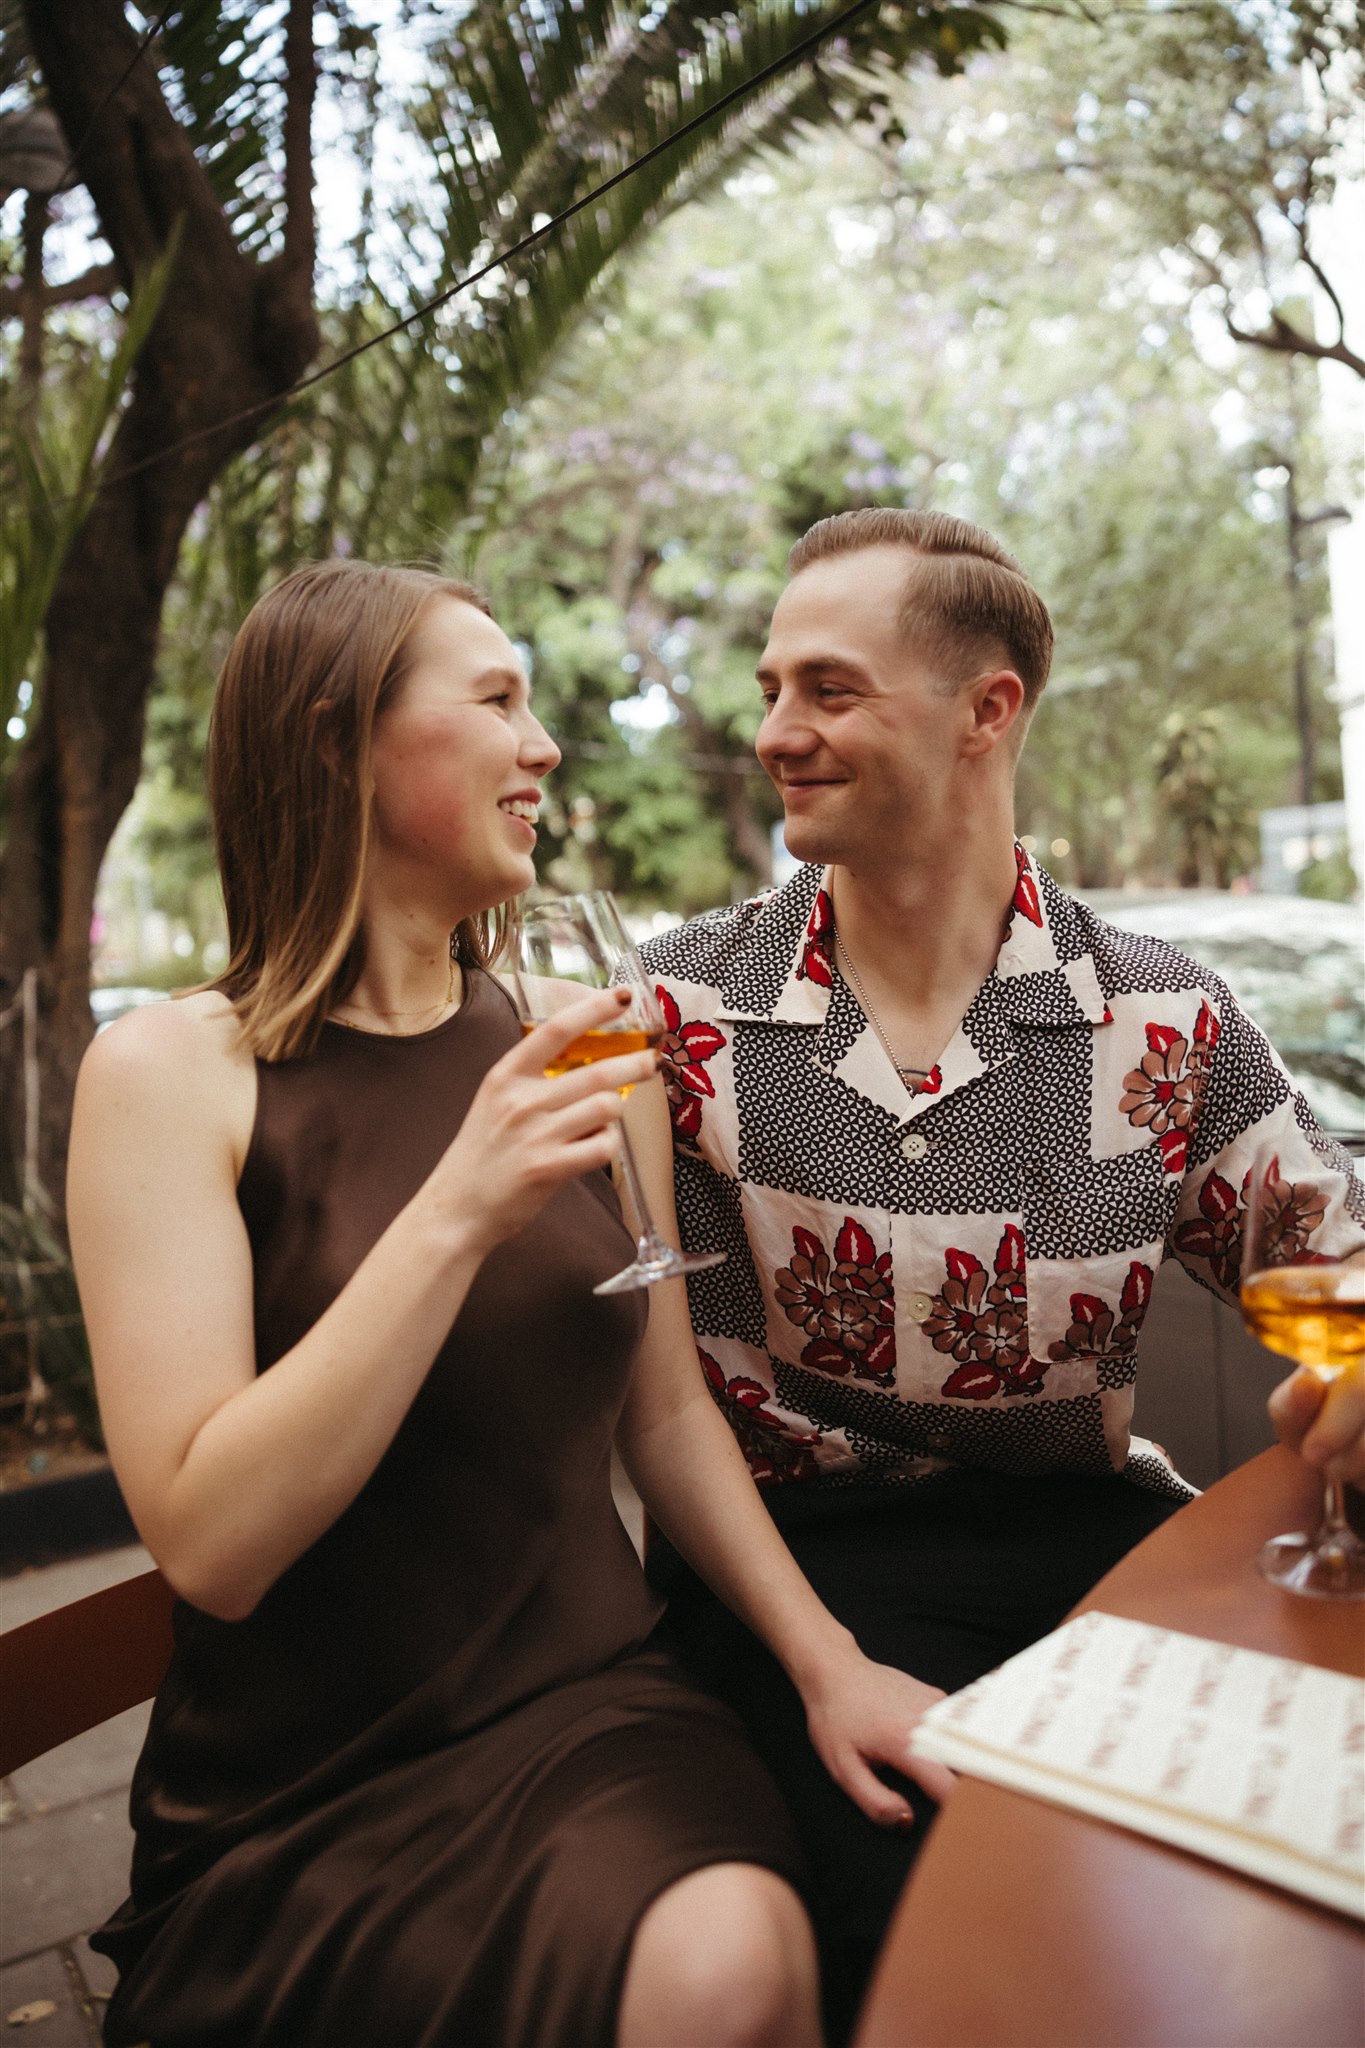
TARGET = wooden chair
x,y
71,1669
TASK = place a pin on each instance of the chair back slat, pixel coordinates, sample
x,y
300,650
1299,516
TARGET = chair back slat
x,y
69,1670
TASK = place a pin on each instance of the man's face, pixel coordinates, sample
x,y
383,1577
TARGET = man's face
x,y
858,740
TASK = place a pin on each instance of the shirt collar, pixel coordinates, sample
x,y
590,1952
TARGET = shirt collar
x,y
1044,974
1045,968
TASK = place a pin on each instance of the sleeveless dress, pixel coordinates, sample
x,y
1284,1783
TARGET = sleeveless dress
x,y
421,1796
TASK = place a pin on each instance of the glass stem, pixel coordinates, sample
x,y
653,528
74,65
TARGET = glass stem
x,y
649,1246
1334,1529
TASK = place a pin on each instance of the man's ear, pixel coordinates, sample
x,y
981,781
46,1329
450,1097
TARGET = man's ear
x,y
996,702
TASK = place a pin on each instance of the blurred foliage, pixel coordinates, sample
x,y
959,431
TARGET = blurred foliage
x,y
42,1336
53,444
1333,880
929,310
983,298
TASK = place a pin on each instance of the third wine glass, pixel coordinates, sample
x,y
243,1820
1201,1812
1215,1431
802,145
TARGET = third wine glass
x,y
1312,1310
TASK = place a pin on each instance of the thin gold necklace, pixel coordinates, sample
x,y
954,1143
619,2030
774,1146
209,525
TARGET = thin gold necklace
x,y
443,1003
912,1078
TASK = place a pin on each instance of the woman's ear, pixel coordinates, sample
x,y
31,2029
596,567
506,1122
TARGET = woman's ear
x,y
322,736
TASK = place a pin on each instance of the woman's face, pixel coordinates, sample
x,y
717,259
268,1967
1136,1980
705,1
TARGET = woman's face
x,y
457,760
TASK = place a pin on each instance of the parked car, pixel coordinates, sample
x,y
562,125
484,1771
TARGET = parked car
x,y
1296,966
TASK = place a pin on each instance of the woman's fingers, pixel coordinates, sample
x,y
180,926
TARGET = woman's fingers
x,y
599,1009
883,1805
934,1778
1294,1406
854,1771
597,1112
1336,1440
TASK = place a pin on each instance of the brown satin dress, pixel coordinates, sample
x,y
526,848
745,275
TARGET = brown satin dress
x,y
422,1795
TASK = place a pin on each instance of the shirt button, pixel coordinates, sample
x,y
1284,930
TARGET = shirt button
x,y
914,1144
921,1307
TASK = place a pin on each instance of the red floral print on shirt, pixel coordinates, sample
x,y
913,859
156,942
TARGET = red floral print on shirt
x,y
774,1449
1164,1092
817,951
846,1305
685,1049
983,1323
1215,1233
1026,890
1098,1336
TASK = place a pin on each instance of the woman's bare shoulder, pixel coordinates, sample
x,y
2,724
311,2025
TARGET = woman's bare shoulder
x,y
182,1058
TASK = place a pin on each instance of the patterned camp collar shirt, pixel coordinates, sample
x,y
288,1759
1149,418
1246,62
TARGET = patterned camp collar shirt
x,y
959,1277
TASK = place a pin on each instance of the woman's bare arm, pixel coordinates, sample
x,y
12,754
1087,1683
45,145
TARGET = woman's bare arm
x,y
230,1476
691,1475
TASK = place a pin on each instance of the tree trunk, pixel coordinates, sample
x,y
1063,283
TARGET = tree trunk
x,y
230,334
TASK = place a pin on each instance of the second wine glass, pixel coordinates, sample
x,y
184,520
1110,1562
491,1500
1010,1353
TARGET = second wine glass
x,y
1311,1310
566,944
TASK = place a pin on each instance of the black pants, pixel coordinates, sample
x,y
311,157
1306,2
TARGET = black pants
x,y
944,1580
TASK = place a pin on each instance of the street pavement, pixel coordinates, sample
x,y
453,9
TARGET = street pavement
x,y
65,1842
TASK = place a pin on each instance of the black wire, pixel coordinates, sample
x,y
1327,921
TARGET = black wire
x,y
531,241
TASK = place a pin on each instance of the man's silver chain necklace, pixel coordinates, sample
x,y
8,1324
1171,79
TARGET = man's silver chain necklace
x,y
913,1078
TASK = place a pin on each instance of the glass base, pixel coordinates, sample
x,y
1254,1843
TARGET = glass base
x,y
1328,1566
667,1265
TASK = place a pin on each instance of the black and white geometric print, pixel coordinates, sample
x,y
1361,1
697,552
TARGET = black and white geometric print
x,y
986,1025
844,1023
1101,1103
724,1301
1030,1436
703,948
1096,1207
1245,1081
1070,938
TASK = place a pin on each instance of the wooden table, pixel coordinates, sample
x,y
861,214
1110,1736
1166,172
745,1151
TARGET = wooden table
x,y
1028,1926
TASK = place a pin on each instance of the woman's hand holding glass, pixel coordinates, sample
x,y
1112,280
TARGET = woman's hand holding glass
x,y
524,1135
580,941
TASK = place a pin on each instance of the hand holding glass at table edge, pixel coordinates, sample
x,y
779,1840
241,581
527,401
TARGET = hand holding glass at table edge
x,y
1311,1310
581,940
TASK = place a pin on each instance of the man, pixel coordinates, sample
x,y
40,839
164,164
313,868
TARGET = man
x,y
946,1125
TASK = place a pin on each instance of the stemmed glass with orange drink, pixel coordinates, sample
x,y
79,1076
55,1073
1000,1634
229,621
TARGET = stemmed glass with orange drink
x,y
564,945
1312,1310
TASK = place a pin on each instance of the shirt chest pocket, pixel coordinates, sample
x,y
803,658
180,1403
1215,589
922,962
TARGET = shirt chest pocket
x,y
1077,1207
1096,1231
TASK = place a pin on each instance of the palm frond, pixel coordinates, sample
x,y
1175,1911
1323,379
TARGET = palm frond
x,y
212,61
546,102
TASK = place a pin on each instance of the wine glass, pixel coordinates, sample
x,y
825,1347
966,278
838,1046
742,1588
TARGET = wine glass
x,y
564,945
1312,1310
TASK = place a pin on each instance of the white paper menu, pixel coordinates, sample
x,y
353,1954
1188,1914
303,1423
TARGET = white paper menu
x,y
1256,1761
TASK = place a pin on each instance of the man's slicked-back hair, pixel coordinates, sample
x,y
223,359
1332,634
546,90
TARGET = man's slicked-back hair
x,y
965,603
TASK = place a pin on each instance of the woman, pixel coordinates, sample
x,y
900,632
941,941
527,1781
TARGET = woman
x,y
417,1774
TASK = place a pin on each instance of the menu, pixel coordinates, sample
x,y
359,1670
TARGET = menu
x,y
1255,1761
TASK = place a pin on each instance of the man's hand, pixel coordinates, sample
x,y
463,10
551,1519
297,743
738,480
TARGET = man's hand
x,y
861,1714
1324,1421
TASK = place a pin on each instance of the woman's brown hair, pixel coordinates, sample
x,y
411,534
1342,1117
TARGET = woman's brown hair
x,y
311,667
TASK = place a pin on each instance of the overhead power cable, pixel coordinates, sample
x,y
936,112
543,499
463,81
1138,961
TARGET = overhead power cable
x,y
527,242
